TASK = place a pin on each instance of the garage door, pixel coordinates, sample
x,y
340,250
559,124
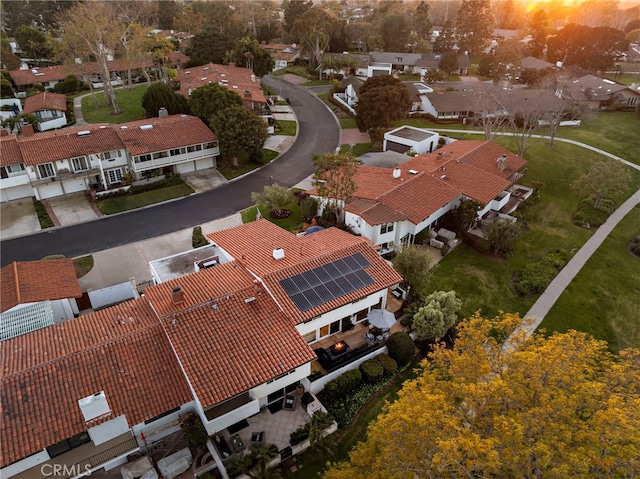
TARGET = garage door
x,y
393,146
50,190
17,192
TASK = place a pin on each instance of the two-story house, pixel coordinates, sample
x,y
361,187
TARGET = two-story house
x,y
98,157
226,343
393,205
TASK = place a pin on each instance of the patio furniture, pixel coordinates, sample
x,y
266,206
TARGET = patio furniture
x,y
172,466
257,437
237,443
222,446
289,402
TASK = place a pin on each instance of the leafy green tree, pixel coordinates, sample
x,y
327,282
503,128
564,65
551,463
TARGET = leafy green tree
x,y
334,179
474,26
358,32
415,265
238,130
273,198
465,215
33,42
205,102
249,54
604,180
591,48
6,90
381,100
438,314
293,10
538,27
9,60
208,46
315,27
160,95
422,19
560,403
502,234
447,38
69,85
395,30
448,62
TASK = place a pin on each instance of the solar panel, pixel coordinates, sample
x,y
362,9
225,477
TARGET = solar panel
x,y
327,282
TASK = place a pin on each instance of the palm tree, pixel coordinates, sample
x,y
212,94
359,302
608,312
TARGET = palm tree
x,y
262,455
318,440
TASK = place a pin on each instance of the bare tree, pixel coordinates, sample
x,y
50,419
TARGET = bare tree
x,y
489,112
91,34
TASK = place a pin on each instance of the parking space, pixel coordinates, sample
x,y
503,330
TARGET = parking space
x,y
71,209
18,217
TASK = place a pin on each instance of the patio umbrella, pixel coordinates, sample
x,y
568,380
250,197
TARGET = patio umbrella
x,y
381,318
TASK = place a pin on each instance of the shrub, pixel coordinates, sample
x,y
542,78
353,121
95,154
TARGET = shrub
x,y
43,217
257,156
197,238
299,435
343,384
401,347
589,217
69,85
388,363
535,277
634,246
194,431
309,207
372,370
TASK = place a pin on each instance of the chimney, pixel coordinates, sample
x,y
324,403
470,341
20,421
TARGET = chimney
x,y
253,78
163,113
177,296
397,172
27,130
278,254
501,162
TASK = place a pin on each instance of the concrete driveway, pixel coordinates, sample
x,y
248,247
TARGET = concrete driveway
x,y
71,209
18,218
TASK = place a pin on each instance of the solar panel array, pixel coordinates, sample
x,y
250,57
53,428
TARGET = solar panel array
x,y
328,282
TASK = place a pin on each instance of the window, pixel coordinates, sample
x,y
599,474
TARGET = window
x,y
213,144
79,163
160,154
310,337
388,228
193,148
324,331
112,155
115,176
46,170
360,315
141,158
178,151
11,170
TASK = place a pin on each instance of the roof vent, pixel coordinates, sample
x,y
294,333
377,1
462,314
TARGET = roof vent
x,y
203,78
250,299
177,295
413,172
205,69
278,254
146,127
83,133
187,73
94,406
253,78
124,127
443,177
396,172
103,126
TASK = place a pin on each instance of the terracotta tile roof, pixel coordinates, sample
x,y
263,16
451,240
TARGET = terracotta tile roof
x,y
474,183
10,151
34,281
480,153
235,345
119,350
171,132
199,287
237,79
62,144
45,101
301,254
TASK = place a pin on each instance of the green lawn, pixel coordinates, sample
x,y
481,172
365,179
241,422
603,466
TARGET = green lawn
x,y
483,282
348,122
603,298
129,102
289,127
616,132
358,149
246,165
119,204
292,223
316,83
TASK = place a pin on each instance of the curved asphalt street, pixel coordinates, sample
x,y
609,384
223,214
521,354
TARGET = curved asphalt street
x,y
318,132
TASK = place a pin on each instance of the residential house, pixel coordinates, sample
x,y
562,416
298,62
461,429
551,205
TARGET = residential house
x,y
238,79
417,63
9,107
37,294
224,343
284,55
97,157
451,105
417,90
393,205
595,93
349,97
50,109
533,63
346,64
408,138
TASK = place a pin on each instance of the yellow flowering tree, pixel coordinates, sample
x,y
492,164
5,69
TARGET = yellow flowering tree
x,y
560,406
